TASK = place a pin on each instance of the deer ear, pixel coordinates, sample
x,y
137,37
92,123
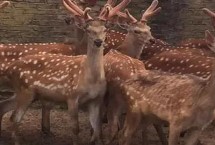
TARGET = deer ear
x,y
210,39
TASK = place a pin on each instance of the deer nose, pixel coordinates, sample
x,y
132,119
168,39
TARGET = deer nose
x,y
98,42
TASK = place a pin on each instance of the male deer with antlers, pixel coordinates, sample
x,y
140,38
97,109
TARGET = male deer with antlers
x,y
12,52
120,67
114,38
82,79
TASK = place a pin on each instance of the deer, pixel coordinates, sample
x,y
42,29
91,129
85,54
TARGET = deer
x,y
82,78
184,101
115,38
121,64
12,52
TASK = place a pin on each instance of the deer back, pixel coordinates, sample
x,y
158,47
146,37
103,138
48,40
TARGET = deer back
x,y
200,46
12,52
150,50
114,39
48,74
181,63
162,94
119,67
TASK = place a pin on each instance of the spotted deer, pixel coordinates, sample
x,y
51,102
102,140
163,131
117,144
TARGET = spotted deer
x,y
115,38
184,101
12,52
119,67
77,80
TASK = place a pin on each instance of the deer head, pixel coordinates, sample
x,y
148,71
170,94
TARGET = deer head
x,y
139,33
4,4
94,27
140,29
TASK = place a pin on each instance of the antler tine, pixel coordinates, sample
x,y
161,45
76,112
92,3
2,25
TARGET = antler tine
x,y
74,7
86,14
109,4
130,17
152,10
70,9
118,8
108,11
4,4
127,15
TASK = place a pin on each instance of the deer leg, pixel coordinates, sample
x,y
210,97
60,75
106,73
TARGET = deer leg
x,y
174,134
144,133
192,139
24,99
73,111
46,118
132,122
95,121
161,134
6,106
1,116
113,121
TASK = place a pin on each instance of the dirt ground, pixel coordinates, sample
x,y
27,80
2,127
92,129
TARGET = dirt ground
x,y
61,135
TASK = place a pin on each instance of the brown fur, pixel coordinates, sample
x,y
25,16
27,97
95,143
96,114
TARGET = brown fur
x,y
186,102
181,63
83,82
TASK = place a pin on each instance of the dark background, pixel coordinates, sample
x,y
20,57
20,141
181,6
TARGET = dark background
x,y
43,20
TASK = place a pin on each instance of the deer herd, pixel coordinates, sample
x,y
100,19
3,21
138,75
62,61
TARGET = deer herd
x,y
113,74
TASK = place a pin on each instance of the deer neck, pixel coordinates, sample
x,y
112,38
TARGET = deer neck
x,y
208,97
131,46
94,67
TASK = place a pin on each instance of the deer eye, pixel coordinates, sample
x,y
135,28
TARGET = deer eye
x,y
137,32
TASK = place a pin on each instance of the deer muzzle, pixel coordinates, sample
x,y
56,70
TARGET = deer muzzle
x,y
98,42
